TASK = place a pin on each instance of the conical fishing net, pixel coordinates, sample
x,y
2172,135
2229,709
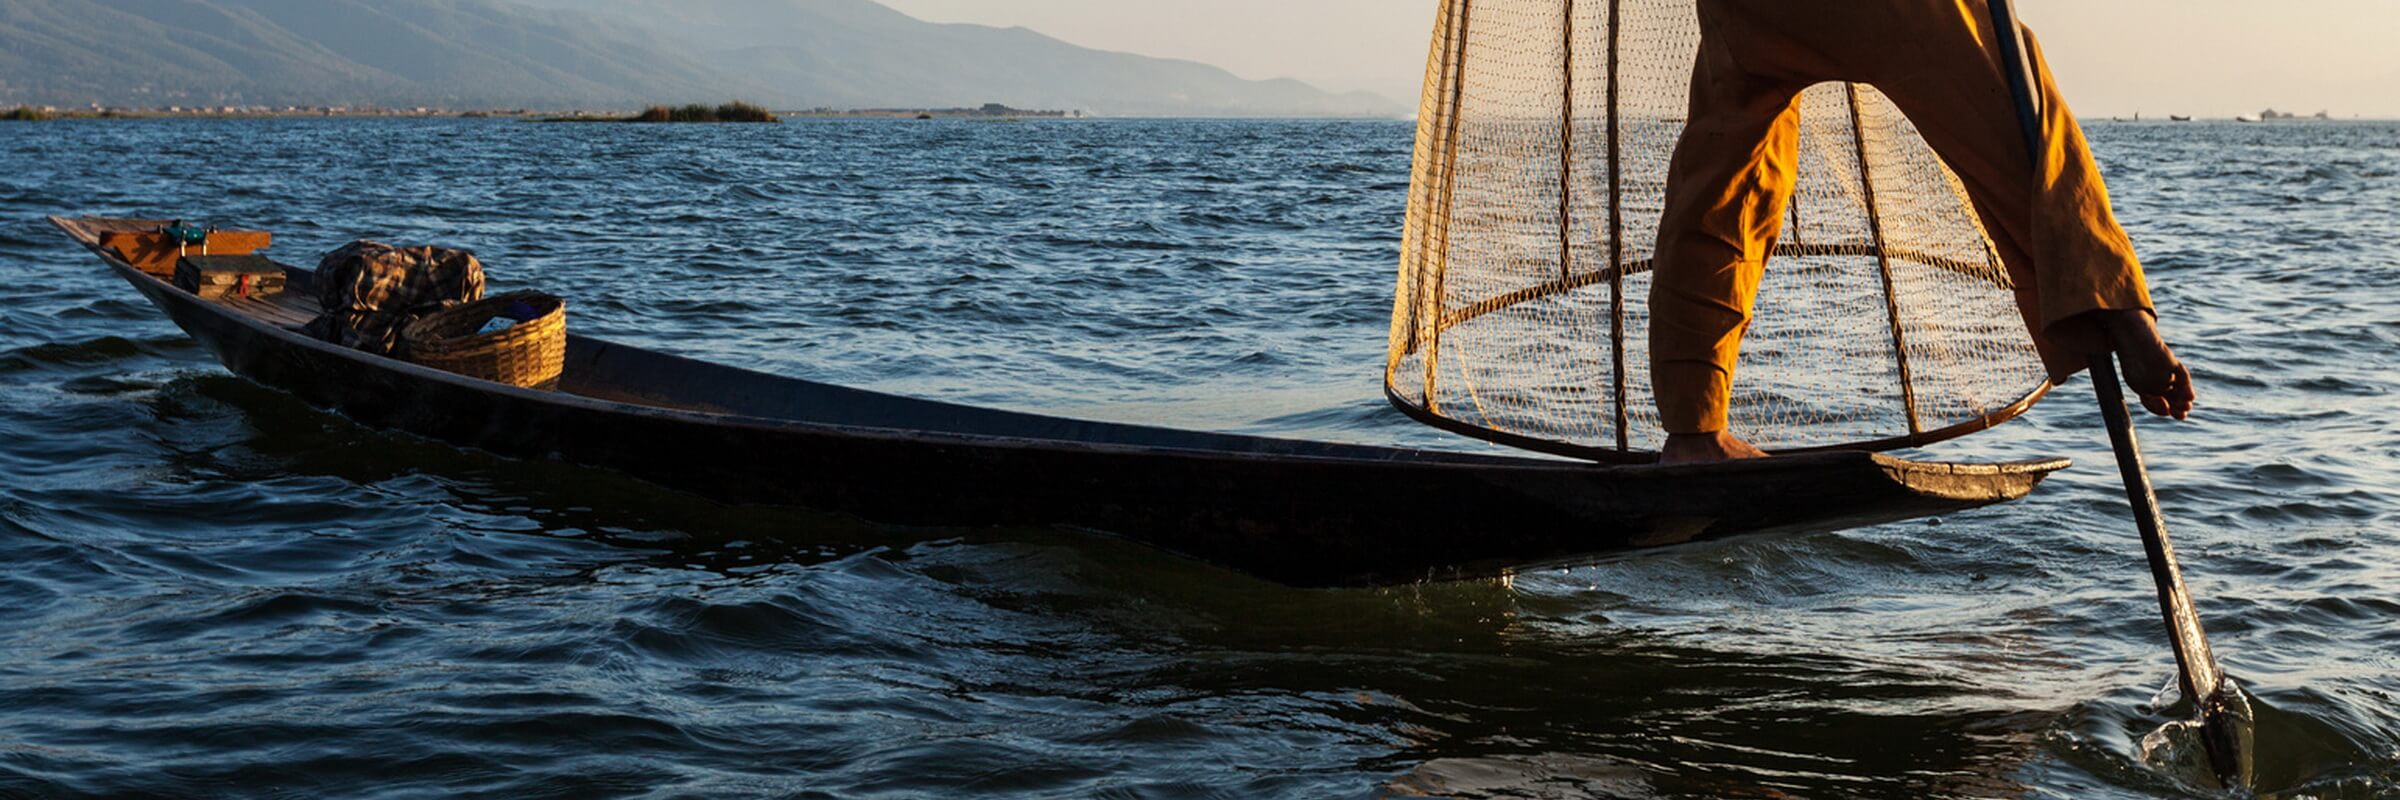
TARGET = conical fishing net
x,y
1885,318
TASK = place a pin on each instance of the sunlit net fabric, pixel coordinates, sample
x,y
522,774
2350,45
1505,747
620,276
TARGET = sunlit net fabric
x,y
1885,318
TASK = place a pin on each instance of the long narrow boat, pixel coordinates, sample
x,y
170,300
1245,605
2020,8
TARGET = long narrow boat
x,y
1296,512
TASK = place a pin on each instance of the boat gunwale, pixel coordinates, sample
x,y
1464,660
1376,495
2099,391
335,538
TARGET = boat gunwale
x,y
1898,470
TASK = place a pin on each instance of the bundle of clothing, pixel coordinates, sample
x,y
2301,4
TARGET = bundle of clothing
x,y
370,291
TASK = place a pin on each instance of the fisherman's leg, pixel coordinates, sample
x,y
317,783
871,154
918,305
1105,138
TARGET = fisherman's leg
x,y
1727,186
2080,286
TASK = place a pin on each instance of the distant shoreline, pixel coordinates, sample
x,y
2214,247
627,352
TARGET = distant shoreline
x,y
2202,120
987,111
993,111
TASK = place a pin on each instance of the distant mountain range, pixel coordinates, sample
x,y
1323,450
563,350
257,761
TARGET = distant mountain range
x,y
594,54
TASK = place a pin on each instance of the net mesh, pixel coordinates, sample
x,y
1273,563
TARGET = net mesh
x,y
1885,318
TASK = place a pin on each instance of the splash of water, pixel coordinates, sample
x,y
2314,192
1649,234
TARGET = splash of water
x,y
2180,749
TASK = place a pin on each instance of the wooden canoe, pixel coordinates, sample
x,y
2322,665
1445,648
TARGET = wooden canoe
x,y
1296,512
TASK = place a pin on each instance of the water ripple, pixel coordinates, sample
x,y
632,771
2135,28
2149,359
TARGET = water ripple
x,y
212,588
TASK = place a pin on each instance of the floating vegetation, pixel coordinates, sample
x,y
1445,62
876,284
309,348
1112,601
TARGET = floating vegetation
x,y
729,112
736,111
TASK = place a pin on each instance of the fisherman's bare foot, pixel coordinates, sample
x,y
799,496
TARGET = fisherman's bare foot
x,y
2151,369
1705,448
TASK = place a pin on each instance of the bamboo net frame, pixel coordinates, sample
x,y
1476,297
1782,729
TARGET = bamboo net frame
x,y
1885,319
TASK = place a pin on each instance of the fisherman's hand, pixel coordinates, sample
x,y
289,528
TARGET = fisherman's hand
x,y
2171,398
2151,369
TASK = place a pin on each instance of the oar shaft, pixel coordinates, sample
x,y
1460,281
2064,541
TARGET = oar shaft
x,y
2201,677
2017,60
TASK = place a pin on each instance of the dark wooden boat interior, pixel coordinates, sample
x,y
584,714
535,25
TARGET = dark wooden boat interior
x,y
616,373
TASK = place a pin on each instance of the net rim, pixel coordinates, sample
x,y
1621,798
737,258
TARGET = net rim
x,y
1615,455
1629,457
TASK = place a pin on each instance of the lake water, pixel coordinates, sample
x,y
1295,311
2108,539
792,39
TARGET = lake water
x,y
211,589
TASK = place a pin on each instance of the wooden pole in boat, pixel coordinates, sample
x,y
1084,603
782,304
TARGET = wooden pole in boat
x,y
2223,727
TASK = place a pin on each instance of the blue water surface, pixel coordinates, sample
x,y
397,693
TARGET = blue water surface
x,y
210,589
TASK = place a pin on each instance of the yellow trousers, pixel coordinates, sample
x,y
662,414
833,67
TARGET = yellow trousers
x,y
1733,172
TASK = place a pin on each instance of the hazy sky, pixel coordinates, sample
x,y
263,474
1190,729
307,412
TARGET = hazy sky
x,y
2114,57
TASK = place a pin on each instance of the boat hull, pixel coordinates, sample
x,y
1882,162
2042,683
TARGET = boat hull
x,y
1294,513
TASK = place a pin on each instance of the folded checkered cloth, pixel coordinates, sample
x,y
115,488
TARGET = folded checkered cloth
x,y
370,291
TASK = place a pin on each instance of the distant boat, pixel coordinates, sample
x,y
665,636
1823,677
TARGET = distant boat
x,y
2246,118
2178,118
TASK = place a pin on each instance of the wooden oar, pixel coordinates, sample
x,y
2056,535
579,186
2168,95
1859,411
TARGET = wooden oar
x,y
2224,717
2223,722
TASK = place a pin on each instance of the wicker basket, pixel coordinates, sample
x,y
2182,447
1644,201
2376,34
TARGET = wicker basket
x,y
530,353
